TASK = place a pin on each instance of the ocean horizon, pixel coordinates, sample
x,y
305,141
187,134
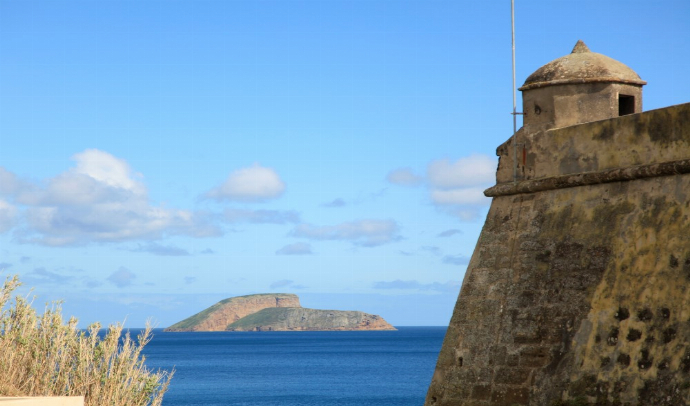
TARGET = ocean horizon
x,y
297,368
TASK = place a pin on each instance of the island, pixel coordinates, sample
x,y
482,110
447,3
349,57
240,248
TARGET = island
x,y
276,312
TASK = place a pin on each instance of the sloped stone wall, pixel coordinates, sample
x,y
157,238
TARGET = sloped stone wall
x,y
580,295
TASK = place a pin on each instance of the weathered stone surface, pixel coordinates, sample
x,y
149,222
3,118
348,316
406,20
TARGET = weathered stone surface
x,y
580,87
622,148
576,292
581,66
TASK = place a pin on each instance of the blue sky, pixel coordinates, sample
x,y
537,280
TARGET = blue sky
x,y
159,156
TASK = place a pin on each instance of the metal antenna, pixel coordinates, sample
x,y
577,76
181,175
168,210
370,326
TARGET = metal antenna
x,y
512,21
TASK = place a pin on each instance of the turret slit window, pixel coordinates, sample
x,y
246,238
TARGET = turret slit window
x,y
626,104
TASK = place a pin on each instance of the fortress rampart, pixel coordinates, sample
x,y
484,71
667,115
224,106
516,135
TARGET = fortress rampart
x,y
578,291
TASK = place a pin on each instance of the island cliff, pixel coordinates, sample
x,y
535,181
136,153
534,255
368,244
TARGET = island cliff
x,y
276,312
228,311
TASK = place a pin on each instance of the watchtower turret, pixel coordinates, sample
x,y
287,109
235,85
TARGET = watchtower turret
x,y
578,88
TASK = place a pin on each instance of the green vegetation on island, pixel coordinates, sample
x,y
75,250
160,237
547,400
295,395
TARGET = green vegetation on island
x,y
301,319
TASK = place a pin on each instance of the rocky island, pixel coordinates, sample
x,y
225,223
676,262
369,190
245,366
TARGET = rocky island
x,y
276,312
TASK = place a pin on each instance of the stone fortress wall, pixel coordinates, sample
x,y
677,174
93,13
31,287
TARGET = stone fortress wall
x,y
578,291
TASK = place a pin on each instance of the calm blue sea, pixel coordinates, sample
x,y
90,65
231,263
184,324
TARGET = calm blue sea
x,y
336,368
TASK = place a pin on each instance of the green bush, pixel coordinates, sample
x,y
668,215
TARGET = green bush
x,y
42,356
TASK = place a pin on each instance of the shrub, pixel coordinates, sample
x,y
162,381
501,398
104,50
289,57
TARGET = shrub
x,y
42,356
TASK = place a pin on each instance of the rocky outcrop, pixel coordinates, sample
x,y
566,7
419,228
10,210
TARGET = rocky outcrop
x,y
300,319
276,312
228,311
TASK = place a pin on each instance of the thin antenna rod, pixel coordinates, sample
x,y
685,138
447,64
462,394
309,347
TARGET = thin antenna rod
x,y
512,23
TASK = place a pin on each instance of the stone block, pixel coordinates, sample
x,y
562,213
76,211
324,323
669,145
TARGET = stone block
x,y
512,376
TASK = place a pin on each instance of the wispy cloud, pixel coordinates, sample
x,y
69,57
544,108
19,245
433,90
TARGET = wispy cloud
x,y
366,233
404,177
450,286
456,260
431,249
281,283
449,233
339,202
286,283
189,280
299,248
163,250
252,184
261,216
121,278
41,276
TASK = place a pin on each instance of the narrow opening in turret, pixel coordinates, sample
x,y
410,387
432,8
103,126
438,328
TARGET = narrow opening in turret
x,y
626,104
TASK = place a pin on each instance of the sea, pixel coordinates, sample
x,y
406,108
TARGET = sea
x,y
308,368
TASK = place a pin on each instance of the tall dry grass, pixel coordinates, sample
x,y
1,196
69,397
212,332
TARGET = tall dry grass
x,y
40,355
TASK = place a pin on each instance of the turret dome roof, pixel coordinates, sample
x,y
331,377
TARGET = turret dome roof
x,y
582,66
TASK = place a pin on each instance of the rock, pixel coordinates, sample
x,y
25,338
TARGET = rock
x,y
225,312
301,319
276,312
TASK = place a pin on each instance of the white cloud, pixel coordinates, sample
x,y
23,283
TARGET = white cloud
x,y
8,216
455,187
404,177
367,233
458,187
253,184
465,196
108,170
100,199
299,248
8,182
121,278
473,170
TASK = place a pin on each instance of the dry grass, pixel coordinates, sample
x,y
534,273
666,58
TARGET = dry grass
x,y
42,356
